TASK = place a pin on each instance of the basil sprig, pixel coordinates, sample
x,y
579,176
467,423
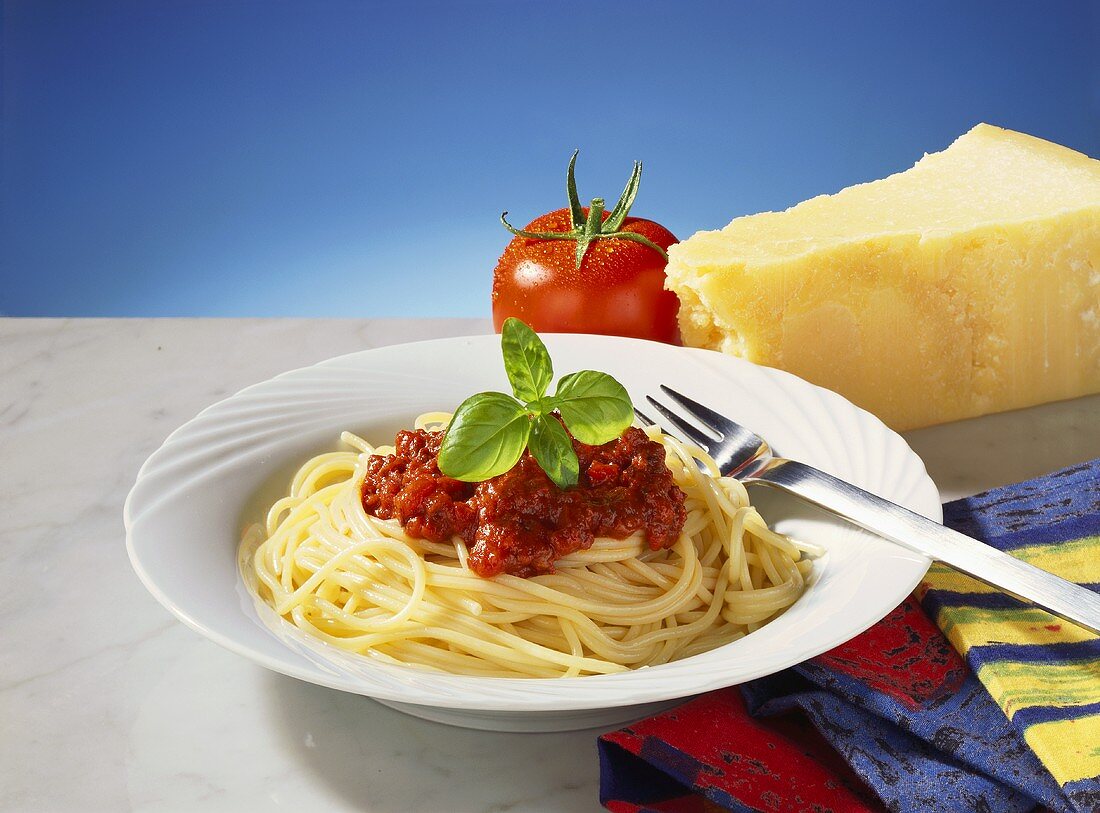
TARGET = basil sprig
x,y
489,431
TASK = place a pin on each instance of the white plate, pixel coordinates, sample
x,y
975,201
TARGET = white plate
x,y
217,472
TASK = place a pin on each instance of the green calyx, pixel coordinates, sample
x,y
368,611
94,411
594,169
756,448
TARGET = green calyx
x,y
594,227
489,431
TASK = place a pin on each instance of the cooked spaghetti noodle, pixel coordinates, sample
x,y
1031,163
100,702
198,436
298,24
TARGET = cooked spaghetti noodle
x,y
362,584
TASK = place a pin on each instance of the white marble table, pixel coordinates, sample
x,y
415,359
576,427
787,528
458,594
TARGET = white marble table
x,y
107,703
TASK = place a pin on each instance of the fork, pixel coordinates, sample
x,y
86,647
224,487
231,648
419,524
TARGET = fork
x,y
743,454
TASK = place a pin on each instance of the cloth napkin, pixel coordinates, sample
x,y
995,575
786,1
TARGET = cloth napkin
x,y
962,699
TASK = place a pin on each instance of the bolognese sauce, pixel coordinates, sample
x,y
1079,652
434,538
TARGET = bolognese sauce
x,y
520,522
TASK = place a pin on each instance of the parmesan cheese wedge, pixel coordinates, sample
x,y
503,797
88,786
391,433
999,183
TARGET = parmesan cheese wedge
x,y
966,285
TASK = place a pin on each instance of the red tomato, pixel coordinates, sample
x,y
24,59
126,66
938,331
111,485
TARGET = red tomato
x,y
618,290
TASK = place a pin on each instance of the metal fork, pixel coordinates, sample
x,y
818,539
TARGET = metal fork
x,y
745,455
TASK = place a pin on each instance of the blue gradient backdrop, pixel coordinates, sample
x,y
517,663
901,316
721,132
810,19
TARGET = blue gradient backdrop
x,y
351,159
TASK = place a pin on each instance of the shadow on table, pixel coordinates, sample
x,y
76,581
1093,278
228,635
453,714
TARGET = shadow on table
x,y
378,759
966,457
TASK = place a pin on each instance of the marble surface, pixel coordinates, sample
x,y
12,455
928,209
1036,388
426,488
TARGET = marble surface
x,y
107,703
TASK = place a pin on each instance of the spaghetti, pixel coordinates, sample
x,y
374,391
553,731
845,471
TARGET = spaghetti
x,y
362,584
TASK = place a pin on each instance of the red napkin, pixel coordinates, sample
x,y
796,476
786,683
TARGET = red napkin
x,y
891,720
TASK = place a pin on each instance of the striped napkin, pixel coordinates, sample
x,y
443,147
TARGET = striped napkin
x,y
1044,673
896,719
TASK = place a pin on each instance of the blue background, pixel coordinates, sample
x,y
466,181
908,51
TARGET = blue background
x,y
351,159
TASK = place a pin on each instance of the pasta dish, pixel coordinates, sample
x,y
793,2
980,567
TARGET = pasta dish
x,y
426,571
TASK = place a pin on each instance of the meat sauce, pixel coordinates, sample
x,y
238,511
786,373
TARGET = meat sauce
x,y
520,522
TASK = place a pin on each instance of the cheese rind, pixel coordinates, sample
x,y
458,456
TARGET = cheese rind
x,y
966,285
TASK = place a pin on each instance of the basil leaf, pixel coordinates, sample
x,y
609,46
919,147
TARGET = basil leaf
x,y
525,360
553,451
486,437
594,406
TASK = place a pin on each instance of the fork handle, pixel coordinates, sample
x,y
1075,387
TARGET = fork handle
x,y
915,532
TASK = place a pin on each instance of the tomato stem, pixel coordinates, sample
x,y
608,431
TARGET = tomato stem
x,y
594,226
537,235
575,213
626,200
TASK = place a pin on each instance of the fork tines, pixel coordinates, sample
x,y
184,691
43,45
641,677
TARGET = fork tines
x,y
687,430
